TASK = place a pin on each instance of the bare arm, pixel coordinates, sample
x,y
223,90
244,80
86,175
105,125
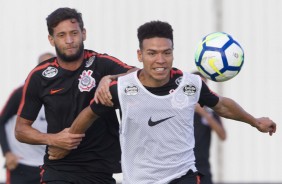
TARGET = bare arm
x,y
24,132
82,122
228,108
213,123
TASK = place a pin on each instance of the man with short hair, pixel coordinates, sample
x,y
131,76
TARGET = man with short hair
x,y
65,85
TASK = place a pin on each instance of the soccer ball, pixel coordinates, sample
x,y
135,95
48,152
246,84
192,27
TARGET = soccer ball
x,y
219,57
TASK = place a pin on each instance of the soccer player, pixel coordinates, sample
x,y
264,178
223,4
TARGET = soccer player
x,y
157,105
65,85
22,160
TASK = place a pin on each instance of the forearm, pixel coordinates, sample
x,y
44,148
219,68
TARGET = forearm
x,y
83,121
3,139
228,108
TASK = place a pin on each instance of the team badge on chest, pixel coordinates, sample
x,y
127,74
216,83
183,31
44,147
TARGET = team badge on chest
x,y
86,81
131,90
189,89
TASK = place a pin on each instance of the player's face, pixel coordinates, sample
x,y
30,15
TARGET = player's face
x,y
157,57
68,40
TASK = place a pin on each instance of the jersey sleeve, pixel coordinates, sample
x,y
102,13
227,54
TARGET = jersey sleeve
x,y
30,103
9,110
207,96
100,109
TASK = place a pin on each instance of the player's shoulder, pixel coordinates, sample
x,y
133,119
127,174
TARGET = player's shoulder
x,y
101,56
105,61
175,73
18,90
48,68
192,76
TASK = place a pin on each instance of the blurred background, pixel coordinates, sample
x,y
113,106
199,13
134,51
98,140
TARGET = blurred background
x,y
247,156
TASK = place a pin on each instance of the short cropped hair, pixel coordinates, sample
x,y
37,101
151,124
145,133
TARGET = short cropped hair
x,y
154,29
62,14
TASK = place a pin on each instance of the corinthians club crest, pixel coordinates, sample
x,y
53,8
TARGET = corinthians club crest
x,y
86,81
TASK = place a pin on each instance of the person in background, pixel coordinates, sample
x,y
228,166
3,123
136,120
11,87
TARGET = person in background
x,y
65,85
157,104
22,160
205,122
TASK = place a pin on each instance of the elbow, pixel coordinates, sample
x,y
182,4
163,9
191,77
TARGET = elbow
x,y
19,131
18,134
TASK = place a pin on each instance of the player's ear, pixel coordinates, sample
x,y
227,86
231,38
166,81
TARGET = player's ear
x,y
84,34
139,55
51,40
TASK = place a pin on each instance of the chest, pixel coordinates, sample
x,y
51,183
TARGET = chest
x,y
69,88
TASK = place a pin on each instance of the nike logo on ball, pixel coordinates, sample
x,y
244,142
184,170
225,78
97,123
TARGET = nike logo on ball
x,y
153,123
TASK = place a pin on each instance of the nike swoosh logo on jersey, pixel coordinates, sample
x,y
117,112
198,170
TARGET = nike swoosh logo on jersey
x,y
153,123
53,91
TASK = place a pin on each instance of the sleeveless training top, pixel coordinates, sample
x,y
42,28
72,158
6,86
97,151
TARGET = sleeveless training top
x,y
156,132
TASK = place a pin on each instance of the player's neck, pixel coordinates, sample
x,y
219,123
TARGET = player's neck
x,y
72,66
149,81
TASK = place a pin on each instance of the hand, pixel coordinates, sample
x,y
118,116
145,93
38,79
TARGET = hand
x,y
66,140
12,161
102,93
265,125
56,153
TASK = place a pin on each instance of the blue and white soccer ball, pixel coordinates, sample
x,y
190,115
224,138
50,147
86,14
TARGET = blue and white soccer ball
x,y
219,57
